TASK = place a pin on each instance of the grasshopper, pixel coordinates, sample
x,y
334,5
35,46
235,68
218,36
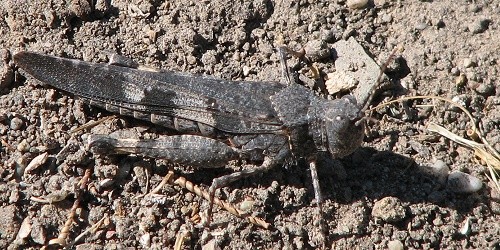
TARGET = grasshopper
x,y
264,123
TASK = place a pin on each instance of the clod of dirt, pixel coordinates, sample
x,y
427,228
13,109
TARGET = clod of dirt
x,y
316,50
81,8
16,123
9,224
389,209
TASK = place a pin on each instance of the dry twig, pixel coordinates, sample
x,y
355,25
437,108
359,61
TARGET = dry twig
x,y
63,234
182,182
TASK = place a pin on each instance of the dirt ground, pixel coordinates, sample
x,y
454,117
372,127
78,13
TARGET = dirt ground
x,y
381,197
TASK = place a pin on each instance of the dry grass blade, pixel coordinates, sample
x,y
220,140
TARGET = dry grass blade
x,y
89,230
480,150
63,234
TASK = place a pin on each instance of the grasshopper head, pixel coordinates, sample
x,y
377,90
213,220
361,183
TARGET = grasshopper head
x,y
344,132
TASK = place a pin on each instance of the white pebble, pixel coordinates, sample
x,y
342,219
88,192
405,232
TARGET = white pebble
x,y
463,183
36,162
357,4
339,81
468,63
395,245
465,230
145,240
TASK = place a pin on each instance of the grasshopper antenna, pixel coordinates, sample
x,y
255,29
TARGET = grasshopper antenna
x,y
376,85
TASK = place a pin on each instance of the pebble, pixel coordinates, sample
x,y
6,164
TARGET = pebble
x,y
466,228
395,245
36,162
247,205
468,63
479,26
81,8
339,81
461,99
23,146
357,4
16,123
485,89
246,70
463,183
389,209
25,229
421,26
386,18
455,71
209,58
38,234
145,240
317,50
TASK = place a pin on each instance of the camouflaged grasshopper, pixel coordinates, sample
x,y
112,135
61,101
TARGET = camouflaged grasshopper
x,y
264,123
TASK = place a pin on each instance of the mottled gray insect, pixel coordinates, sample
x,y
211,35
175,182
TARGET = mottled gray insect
x,y
262,122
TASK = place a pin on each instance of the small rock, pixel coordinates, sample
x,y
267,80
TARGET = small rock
x,y
101,7
209,58
339,81
485,89
38,234
469,63
50,18
145,240
25,230
9,222
6,77
210,245
386,18
81,8
463,183
16,123
479,26
108,182
246,70
357,4
389,209
247,205
395,245
421,26
466,229
23,146
316,50
455,71
36,162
